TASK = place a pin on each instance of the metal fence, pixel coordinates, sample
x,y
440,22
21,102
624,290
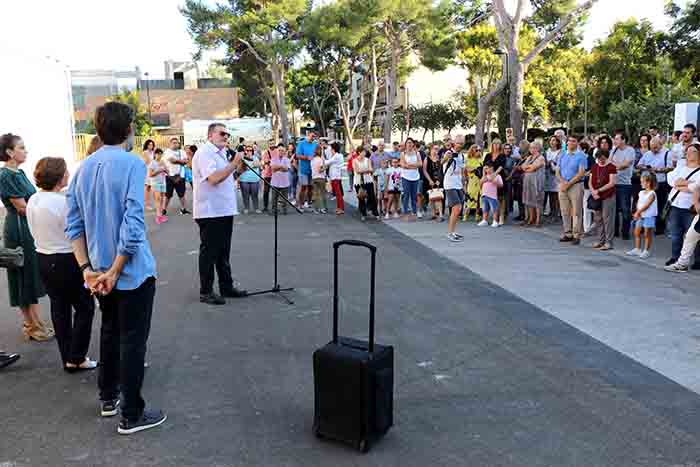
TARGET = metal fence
x,y
82,142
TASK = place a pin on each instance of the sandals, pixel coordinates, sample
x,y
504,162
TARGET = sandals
x,y
87,365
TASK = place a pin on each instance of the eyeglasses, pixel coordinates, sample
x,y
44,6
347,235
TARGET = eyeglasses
x,y
224,134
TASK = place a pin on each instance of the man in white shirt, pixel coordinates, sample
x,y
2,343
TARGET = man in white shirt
x,y
686,139
174,160
623,157
658,161
453,168
214,206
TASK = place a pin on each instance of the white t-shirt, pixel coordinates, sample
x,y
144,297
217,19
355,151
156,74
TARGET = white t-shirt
x,y
46,216
393,175
155,166
335,166
653,209
168,156
683,200
453,173
212,200
411,175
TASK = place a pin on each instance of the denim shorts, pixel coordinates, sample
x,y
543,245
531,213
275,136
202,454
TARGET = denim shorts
x,y
645,223
305,180
489,204
454,198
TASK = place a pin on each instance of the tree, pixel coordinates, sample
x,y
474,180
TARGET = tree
x,y
217,71
313,95
142,125
269,30
683,41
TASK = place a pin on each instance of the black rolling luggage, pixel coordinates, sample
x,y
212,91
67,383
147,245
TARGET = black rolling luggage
x,y
353,379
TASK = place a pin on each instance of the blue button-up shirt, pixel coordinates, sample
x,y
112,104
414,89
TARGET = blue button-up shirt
x,y
569,164
105,203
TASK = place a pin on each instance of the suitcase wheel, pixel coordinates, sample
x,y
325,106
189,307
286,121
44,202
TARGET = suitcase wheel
x,y
317,433
363,446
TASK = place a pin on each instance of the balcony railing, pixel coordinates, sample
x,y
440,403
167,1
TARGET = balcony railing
x,y
161,84
208,83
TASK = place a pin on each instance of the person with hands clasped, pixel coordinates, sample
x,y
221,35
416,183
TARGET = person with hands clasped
x,y
645,217
490,183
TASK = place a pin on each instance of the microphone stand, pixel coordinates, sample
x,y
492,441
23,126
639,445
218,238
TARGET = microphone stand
x,y
276,288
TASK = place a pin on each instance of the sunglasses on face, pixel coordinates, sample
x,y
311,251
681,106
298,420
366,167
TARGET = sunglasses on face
x,y
224,134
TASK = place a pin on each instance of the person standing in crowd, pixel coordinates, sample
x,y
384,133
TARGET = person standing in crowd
x,y
523,151
157,171
683,180
658,161
106,226
687,137
335,173
279,165
187,169
603,180
393,188
7,359
293,172
570,172
645,217
533,168
267,174
149,148
453,168
395,152
60,272
249,181
214,206
692,236
364,184
586,148
623,156
305,152
433,173
551,182
24,283
174,182
490,183
95,144
498,161
318,177
639,151
410,165
472,193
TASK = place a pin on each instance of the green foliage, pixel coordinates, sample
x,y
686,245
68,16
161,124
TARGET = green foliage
x,y
142,125
217,71
683,41
308,91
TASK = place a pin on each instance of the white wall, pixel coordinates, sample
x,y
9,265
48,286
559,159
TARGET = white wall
x,y
36,104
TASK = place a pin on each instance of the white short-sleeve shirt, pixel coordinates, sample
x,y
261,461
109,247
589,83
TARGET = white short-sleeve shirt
x,y
46,216
212,200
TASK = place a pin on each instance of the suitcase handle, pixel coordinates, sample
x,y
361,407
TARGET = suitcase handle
x,y
373,250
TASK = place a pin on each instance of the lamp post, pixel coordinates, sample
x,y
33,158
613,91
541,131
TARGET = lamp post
x,y
505,58
148,98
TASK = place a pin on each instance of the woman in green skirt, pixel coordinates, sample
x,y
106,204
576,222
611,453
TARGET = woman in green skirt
x,y
24,283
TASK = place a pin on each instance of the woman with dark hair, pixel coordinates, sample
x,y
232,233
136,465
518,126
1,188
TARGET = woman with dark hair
x,y
498,160
411,163
364,183
46,215
643,147
551,183
293,172
95,144
187,168
149,148
24,283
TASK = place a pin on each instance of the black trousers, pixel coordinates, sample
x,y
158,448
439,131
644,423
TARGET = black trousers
x,y
266,193
370,203
214,252
64,284
126,324
662,192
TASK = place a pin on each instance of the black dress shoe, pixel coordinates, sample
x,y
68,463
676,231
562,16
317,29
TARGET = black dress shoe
x,y
234,293
695,266
671,261
212,299
7,359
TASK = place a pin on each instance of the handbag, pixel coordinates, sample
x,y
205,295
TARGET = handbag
x,y
362,193
594,204
436,194
11,258
669,203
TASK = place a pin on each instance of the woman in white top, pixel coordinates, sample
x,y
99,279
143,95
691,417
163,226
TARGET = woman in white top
x,y
46,215
335,172
551,183
364,183
410,177
149,148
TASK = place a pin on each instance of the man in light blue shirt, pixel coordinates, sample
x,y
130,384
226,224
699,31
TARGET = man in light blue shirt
x,y
570,172
106,226
305,152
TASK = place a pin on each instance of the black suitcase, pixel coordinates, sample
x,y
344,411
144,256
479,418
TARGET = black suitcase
x,y
353,379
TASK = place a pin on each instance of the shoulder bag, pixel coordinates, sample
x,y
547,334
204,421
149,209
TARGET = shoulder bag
x,y
669,203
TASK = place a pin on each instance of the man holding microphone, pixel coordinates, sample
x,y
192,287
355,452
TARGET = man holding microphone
x,y
214,206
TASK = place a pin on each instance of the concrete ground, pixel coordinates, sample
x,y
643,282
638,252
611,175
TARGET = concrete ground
x,y
484,376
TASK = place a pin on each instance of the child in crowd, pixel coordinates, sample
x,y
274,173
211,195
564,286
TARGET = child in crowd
x,y
392,188
645,217
380,183
156,174
280,165
490,183
318,177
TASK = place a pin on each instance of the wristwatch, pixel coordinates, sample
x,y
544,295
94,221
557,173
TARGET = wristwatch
x,y
85,266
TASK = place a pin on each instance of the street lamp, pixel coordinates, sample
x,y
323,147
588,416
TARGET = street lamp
x,y
505,58
148,98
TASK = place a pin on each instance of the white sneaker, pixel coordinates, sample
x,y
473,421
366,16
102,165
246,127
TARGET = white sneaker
x,y
634,252
483,223
420,214
396,215
306,205
386,217
258,211
675,267
245,211
644,254
294,202
501,223
453,238
496,224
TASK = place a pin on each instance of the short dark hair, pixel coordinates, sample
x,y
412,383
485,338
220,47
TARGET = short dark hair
x,y
677,133
692,127
49,171
192,148
175,138
603,138
396,143
113,122
213,126
8,142
622,134
158,151
147,142
335,146
240,140
602,153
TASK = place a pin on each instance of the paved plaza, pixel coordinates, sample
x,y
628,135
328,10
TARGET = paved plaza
x,y
511,350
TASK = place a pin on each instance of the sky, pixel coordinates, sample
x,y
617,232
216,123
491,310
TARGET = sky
x,y
101,34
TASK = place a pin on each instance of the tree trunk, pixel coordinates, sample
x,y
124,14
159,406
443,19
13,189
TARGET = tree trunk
x,y
375,93
517,83
484,111
425,132
344,114
391,89
278,80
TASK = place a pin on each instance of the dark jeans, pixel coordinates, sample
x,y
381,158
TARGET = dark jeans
x,y
266,193
623,196
126,324
662,192
370,202
279,199
249,192
409,197
64,284
679,221
214,252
